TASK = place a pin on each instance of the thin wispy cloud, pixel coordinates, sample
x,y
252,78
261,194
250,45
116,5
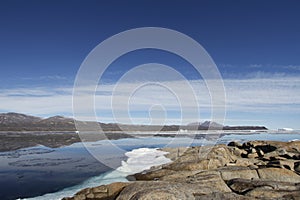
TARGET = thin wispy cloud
x,y
275,95
259,71
50,77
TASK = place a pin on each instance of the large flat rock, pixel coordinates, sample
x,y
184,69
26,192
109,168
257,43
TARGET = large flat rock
x,y
279,174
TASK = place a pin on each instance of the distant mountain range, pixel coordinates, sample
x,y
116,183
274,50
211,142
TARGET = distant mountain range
x,y
21,122
206,125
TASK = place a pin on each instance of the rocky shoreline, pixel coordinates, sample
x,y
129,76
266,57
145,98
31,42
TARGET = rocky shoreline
x,y
253,170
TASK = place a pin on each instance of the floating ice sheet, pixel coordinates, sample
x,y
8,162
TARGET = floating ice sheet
x,y
138,160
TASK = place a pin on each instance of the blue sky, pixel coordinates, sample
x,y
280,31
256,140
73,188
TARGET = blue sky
x,y
255,45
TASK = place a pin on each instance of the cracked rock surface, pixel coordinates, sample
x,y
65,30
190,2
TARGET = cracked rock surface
x,y
253,170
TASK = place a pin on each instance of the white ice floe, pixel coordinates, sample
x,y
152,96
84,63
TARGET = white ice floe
x,y
286,129
138,161
142,159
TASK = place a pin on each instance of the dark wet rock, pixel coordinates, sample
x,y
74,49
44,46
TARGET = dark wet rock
x,y
296,157
265,148
297,167
237,151
279,163
260,152
235,144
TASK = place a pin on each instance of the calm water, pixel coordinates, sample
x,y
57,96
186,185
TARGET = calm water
x,y
38,170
